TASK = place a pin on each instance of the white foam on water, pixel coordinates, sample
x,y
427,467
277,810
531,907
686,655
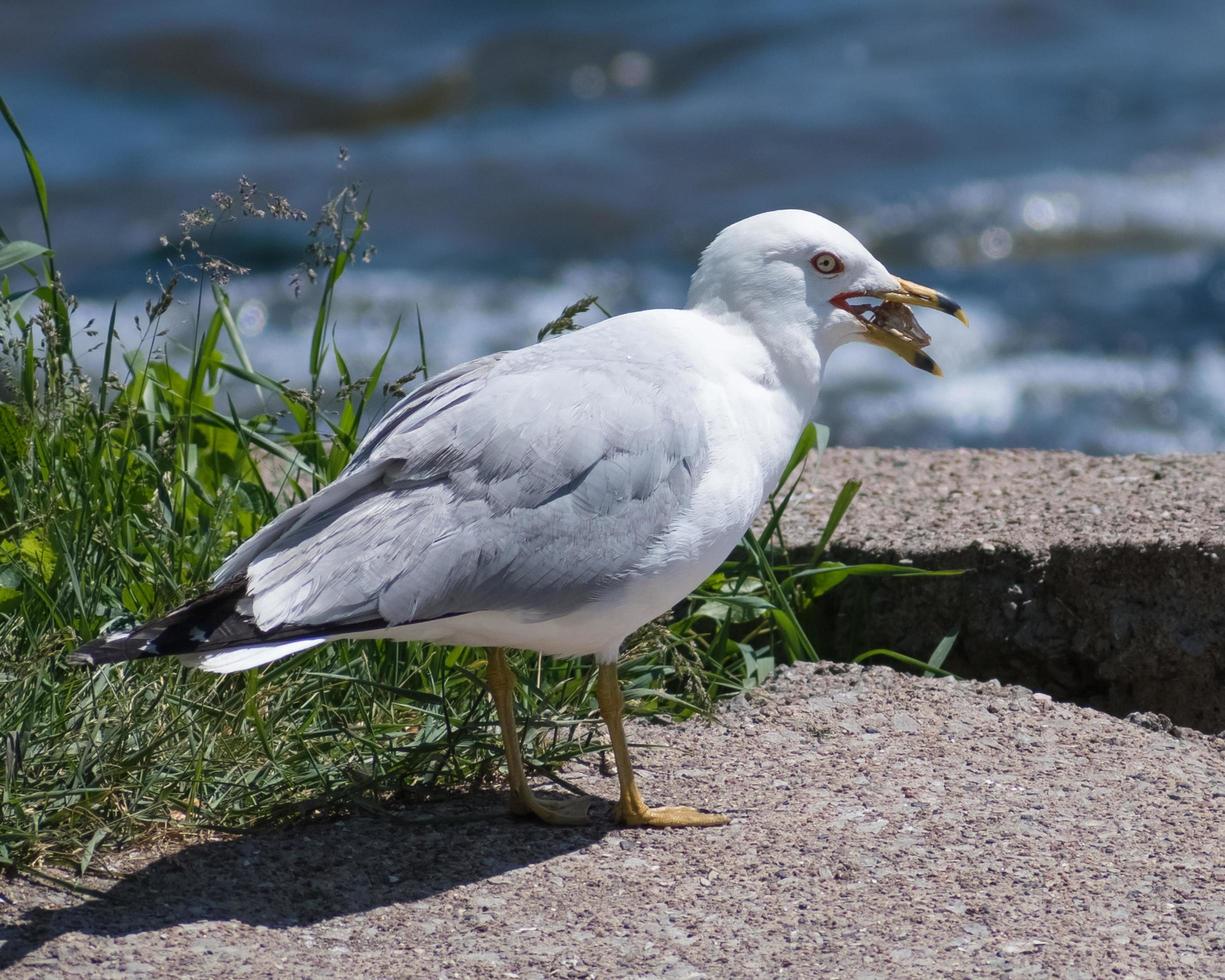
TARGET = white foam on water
x,y
463,316
1092,402
995,392
1174,198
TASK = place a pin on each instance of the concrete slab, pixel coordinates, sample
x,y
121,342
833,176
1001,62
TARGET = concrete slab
x,y
883,825
1097,579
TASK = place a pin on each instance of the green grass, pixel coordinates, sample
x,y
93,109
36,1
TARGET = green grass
x,y
120,494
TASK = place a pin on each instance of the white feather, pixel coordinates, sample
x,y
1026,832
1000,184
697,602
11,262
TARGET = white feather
x,y
229,661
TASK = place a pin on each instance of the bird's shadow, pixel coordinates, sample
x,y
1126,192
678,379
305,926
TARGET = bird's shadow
x,y
304,875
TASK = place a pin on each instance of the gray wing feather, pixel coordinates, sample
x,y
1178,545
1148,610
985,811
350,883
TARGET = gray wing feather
x,y
416,408
531,481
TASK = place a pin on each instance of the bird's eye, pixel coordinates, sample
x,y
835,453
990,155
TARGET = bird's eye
x,y
827,263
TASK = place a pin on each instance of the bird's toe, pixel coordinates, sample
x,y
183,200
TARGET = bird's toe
x,y
669,816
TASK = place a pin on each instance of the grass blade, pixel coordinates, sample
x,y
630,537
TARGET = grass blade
x,y
936,661
901,658
16,253
843,502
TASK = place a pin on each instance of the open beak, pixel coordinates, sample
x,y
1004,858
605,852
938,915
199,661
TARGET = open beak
x,y
891,325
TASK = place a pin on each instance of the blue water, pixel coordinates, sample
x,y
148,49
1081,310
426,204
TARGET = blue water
x,y
1058,167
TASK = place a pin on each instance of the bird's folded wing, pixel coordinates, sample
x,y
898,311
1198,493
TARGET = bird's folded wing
x,y
424,402
529,481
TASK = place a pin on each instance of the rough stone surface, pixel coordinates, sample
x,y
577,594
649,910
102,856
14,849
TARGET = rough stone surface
x,y
883,826
1098,579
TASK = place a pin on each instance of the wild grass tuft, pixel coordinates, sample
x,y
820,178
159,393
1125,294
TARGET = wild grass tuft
x,y
121,492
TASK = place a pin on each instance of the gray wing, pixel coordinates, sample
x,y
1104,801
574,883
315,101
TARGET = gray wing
x,y
531,480
426,400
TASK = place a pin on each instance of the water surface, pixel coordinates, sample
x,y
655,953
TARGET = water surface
x,y
1059,168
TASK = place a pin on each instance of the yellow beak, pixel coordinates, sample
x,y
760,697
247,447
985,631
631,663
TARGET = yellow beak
x,y
915,295
894,327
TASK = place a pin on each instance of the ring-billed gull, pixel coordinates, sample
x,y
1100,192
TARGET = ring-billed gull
x,y
558,497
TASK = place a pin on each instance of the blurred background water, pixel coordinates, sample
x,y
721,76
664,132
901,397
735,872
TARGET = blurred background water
x,y
1058,167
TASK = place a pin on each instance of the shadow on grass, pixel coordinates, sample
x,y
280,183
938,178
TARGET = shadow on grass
x,y
305,875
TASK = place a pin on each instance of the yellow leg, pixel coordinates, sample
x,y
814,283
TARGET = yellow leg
x,y
501,684
631,809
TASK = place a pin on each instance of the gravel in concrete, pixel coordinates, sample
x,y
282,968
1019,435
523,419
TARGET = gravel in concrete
x,y
1097,579
884,826
929,501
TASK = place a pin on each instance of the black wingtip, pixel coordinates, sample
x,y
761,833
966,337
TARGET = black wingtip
x,y
214,622
213,617
110,650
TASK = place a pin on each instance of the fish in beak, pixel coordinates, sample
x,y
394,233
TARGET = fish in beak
x,y
890,324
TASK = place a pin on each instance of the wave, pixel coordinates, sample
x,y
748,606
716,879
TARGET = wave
x,y
1164,200
995,391
990,397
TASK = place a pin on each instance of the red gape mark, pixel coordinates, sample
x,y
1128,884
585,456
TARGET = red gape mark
x,y
842,301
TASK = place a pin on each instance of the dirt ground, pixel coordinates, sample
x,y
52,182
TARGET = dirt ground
x,y
883,826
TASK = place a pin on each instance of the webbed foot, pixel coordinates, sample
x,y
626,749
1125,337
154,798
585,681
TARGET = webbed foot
x,y
666,816
573,812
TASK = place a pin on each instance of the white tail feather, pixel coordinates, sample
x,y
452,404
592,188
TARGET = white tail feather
x,y
242,658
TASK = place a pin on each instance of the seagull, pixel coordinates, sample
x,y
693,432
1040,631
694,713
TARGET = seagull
x,y
557,497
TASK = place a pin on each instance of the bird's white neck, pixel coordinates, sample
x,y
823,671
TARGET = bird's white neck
x,y
771,386
791,360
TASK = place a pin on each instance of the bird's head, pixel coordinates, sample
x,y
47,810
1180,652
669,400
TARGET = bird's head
x,y
801,281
